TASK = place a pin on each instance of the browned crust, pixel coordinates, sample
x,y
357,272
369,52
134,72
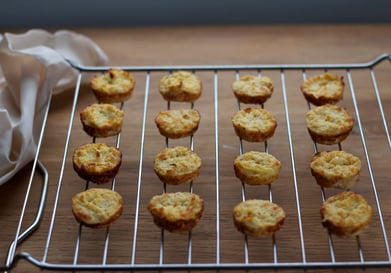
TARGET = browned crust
x,y
252,99
112,98
88,170
267,231
323,98
351,223
329,139
183,96
86,218
175,179
102,224
334,183
177,226
101,132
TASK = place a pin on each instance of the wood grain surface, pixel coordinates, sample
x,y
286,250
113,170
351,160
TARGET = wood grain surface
x,y
295,190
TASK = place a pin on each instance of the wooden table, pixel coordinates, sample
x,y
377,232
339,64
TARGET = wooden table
x,y
213,45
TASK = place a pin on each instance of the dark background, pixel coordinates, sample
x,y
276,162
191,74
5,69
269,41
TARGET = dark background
x,y
86,13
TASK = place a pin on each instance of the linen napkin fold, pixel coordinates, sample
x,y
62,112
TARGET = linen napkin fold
x,y
32,66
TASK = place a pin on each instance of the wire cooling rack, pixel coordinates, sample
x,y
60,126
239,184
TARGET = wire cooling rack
x,y
134,243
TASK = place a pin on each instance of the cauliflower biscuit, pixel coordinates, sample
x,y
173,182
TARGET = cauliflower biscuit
x,y
102,120
177,165
346,214
97,162
178,123
115,85
329,124
336,169
180,86
253,89
96,207
257,168
323,89
258,218
254,124
176,212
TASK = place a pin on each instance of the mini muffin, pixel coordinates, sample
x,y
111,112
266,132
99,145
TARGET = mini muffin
x,y
257,168
178,123
180,86
97,162
177,165
254,124
329,124
258,218
253,89
176,212
115,85
97,207
336,169
323,89
346,214
102,120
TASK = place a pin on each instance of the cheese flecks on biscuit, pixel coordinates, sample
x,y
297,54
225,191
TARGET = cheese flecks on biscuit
x,y
176,212
177,165
181,86
258,218
337,169
254,124
257,168
253,89
115,85
329,124
97,162
346,214
97,207
102,120
323,89
178,123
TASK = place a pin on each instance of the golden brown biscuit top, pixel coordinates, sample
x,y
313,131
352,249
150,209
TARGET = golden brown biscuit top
x,y
329,120
327,84
258,213
254,118
180,81
336,163
176,120
253,86
113,81
176,206
347,209
96,205
96,157
179,159
258,163
101,115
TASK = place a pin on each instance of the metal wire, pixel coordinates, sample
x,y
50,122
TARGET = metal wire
x,y
217,264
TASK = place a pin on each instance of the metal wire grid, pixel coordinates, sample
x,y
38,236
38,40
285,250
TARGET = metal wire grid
x,y
303,263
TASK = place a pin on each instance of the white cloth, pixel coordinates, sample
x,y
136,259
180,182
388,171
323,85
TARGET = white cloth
x,y
32,65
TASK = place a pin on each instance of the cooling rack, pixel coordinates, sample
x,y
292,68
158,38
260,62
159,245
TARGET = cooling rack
x,y
134,243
